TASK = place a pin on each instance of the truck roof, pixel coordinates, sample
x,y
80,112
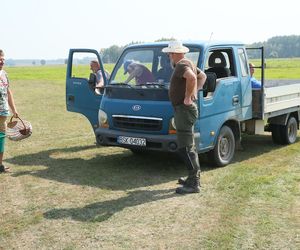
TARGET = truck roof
x,y
201,43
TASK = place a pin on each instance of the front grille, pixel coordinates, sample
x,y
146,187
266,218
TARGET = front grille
x,y
137,123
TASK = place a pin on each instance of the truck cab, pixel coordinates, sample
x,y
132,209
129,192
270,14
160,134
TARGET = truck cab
x,y
138,115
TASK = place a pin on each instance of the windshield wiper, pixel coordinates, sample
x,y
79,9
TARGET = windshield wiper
x,y
162,85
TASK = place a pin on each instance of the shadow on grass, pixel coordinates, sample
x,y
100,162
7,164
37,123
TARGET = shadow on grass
x,y
122,170
256,145
101,211
152,165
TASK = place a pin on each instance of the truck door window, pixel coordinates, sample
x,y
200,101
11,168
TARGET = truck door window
x,y
193,56
243,62
81,64
221,63
85,65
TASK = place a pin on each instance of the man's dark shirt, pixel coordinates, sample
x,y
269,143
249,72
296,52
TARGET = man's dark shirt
x,y
178,82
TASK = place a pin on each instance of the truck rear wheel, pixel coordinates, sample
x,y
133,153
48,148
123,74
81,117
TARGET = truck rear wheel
x,y
289,131
223,151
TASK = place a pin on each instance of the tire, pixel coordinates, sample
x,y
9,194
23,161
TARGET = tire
x,y
289,131
223,152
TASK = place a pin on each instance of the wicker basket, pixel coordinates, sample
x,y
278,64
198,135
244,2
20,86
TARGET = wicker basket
x,y
18,130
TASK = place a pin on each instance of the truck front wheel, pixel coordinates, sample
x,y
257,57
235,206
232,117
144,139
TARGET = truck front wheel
x,y
223,151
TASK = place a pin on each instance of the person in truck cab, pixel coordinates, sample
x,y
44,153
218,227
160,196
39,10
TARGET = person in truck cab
x,y
166,70
254,83
95,68
138,71
185,82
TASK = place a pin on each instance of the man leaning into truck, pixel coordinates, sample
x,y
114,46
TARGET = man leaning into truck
x,y
185,82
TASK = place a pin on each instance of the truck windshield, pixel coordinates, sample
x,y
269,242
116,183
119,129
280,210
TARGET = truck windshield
x,y
146,67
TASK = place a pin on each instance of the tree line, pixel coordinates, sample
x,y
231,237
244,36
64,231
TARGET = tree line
x,y
275,47
111,54
278,47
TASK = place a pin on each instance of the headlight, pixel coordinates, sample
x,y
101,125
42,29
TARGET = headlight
x,y
102,118
172,127
173,123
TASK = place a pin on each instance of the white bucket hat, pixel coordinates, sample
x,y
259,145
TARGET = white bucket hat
x,y
175,47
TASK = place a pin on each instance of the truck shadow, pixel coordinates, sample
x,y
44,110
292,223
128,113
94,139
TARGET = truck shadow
x,y
119,171
122,170
254,146
103,210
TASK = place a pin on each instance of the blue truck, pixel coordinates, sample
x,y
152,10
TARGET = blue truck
x,y
140,117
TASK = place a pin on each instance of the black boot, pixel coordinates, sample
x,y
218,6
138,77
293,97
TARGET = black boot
x,y
184,180
192,183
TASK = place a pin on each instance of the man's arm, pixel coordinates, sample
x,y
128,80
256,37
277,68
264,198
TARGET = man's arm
x,y
11,103
100,82
137,71
191,86
130,77
201,78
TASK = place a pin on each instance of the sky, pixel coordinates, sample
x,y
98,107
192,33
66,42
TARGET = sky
x,y
47,29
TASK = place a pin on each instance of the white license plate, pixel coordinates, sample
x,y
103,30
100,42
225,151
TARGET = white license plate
x,y
132,141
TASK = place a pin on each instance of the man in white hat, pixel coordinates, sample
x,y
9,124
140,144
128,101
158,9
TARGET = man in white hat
x,y
186,80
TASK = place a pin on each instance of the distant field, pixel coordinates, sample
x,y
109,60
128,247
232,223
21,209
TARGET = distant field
x,y
64,192
275,69
53,73
286,68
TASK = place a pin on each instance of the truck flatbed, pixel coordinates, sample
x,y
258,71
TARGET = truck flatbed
x,y
281,97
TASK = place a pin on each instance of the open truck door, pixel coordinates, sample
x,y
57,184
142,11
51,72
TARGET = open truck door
x,y
81,95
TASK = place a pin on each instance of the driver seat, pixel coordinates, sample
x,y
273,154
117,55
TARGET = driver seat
x,y
217,64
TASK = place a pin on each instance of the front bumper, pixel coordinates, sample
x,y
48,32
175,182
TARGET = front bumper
x,y
108,137
167,143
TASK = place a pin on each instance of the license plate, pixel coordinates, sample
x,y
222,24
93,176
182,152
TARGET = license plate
x,y
132,141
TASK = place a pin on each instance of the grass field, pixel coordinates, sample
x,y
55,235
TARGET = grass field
x,y
64,192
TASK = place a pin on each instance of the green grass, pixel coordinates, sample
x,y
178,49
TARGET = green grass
x,y
66,193
280,68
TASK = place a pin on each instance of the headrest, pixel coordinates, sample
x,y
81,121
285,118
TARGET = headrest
x,y
217,59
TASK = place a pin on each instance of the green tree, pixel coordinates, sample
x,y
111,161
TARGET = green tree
x,y
111,54
279,46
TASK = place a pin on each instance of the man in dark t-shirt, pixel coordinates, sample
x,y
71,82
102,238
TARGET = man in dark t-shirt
x,y
185,82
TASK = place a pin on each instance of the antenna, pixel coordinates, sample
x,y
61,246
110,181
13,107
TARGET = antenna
x,y
211,34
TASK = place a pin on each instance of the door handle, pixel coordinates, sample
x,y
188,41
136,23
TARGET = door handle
x,y
71,98
235,100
